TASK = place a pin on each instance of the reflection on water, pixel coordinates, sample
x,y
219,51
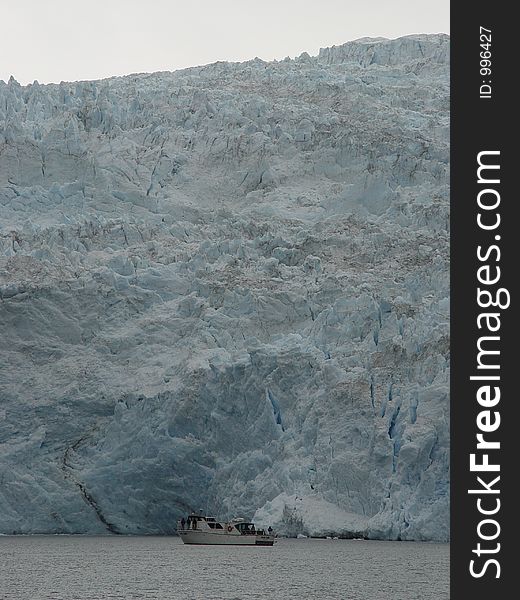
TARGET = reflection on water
x,y
162,568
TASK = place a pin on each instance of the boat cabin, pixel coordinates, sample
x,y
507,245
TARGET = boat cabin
x,y
196,521
246,528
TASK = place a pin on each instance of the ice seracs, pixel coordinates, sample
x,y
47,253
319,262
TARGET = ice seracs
x,y
228,287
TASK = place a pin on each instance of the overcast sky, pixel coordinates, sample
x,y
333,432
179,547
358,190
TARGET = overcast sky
x,y
55,40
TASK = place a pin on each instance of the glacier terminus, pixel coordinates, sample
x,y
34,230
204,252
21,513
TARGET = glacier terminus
x,y
226,289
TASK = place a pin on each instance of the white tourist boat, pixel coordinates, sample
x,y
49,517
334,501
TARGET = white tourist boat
x,y
199,529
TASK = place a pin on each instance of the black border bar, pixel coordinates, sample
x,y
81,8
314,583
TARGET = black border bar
x,y
483,124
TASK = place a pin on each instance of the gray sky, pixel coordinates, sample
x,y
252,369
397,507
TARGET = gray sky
x,y
55,40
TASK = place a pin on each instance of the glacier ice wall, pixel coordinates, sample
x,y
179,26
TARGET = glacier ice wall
x,y
227,288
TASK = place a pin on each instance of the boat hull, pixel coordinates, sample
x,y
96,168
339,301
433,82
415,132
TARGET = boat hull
x,y
224,539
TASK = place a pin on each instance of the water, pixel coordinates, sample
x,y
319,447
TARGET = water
x,y
162,568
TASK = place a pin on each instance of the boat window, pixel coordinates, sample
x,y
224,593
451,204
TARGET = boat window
x,y
218,526
245,527
212,525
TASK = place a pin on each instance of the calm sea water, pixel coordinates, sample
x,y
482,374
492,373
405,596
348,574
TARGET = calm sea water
x,y
162,568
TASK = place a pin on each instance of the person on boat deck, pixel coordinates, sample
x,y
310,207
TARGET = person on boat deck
x,y
270,529
183,522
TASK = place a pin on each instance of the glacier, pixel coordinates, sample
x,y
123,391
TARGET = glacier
x,y
226,288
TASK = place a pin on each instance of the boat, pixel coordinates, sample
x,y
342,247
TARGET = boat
x,y
201,529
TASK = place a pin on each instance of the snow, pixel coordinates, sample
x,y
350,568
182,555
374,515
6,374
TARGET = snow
x,y
226,288
304,516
